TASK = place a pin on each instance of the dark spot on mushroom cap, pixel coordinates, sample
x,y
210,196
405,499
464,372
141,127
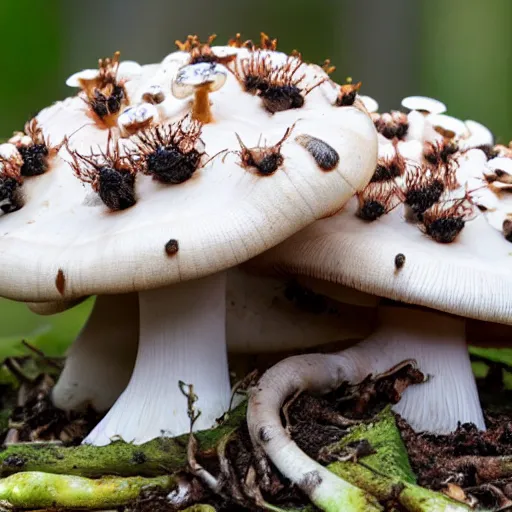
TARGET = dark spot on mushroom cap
x,y
399,261
507,229
60,281
280,98
172,247
116,188
10,200
325,155
371,210
445,229
310,481
35,159
264,434
170,165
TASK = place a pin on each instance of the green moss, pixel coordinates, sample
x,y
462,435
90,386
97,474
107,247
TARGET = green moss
x,y
383,435
118,458
36,490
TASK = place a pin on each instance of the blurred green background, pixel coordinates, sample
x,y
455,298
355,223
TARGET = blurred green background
x,y
456,50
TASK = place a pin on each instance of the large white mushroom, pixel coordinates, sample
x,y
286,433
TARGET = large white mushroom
x,y
266,317
289,157
416,236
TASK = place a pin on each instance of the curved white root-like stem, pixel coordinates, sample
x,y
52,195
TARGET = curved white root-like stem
x,y
182,338
316,373
437,343
101,359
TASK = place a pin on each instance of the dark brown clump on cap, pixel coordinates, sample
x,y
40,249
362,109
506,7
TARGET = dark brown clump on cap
x,y
325,156
172,247
399,261
265,159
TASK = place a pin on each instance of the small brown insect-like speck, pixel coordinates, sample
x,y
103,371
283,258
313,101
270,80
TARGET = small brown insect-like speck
x,y
104,94
278,86
399,261
444,221
60,281
265,159
378,199
393,125
325,155
111,175
202,52
170,154
347,94
172,247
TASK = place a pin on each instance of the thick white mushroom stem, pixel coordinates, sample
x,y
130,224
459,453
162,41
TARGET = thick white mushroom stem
x,y
316,373
100,361
437,342
182,338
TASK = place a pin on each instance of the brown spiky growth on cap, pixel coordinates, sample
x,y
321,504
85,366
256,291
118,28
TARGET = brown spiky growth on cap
x,y
35,150
277,86
328,67
170,154
11,168
389,168
440,158
444,221
264,159
392,125
266,43
202,52
378,199
347,94
105,95
109,173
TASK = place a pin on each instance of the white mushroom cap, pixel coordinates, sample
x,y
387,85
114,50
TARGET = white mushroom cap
x,y
424,104
471,277
134,118
128,69
222,216
8,151
369,103
195,75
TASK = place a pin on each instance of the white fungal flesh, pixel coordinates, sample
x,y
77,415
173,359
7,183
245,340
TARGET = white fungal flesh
x,y
424,104
438,344
314,373
369,103
194,75
100,361
138,115
182,338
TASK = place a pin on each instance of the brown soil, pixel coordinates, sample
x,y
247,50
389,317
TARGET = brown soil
x,y
467,464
